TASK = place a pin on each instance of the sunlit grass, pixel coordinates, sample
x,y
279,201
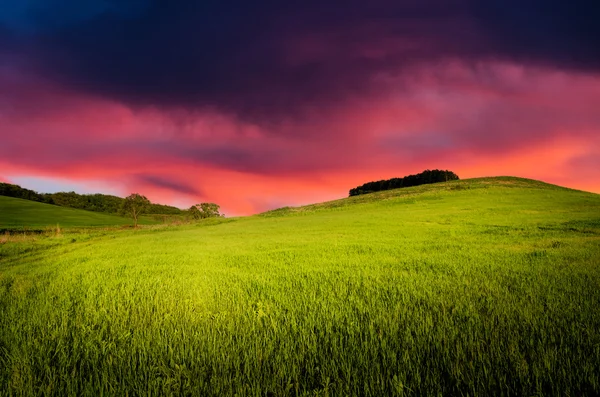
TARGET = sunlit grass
x,y
474,287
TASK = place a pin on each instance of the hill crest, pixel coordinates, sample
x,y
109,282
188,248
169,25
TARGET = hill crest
x,y
421,190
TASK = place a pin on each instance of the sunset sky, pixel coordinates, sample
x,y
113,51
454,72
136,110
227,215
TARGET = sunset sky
x,y
261,104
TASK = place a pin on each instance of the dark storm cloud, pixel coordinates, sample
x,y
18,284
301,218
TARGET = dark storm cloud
x,y
167,183
555,32
265,59
261,159
231,55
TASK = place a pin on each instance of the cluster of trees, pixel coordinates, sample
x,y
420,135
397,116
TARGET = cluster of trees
x,y
89,202
205,210
425,177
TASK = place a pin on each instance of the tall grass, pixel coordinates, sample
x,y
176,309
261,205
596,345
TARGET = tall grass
x,y
487,289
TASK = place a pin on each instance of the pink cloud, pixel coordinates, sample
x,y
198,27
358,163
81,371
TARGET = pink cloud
x,y
475,119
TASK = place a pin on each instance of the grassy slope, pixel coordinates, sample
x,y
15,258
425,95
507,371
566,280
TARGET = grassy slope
x,y
478,286
16,212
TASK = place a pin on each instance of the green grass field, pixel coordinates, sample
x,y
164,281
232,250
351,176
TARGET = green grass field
x,y
475,287
19,213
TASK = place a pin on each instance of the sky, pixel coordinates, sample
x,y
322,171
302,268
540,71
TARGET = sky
x,y
263,104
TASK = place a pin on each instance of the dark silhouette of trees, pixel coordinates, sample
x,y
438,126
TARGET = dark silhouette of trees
x,y
89,202
134,205
162,209
16,191
425,177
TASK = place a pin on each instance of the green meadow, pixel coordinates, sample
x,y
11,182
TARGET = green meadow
x,y
475,287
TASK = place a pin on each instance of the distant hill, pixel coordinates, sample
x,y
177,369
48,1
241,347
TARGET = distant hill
x,y
475,188
90,202
16,212
16,191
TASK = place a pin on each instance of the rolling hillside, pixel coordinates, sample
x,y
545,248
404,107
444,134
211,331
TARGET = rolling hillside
x,y
16,212
476,190
476,287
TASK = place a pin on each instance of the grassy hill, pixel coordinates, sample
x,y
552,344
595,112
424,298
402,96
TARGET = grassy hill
x,y
15,212
476,287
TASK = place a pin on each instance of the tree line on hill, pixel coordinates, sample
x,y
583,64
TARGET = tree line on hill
x,y
90,202
6,189
425,177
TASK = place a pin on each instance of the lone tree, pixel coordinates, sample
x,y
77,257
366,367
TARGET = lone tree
x,y
134,205
205,210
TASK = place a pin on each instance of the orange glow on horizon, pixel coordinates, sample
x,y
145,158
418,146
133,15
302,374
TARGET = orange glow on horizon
x,y
489,120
